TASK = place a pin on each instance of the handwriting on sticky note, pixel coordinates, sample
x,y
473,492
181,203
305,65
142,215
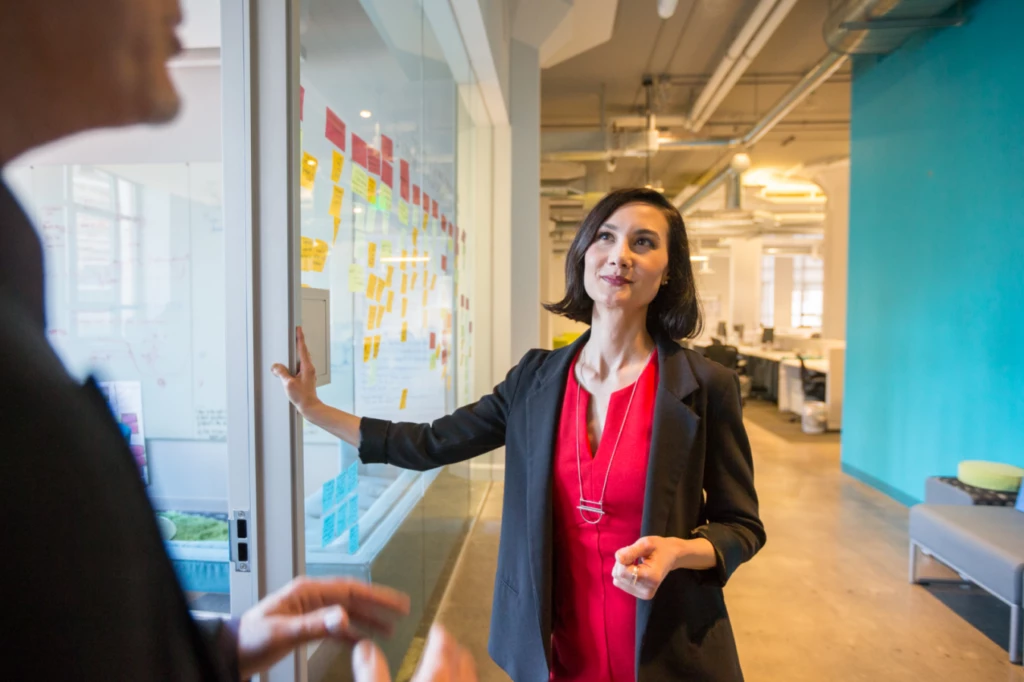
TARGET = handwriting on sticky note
x,y
403,212
405,397
320,250
337,166
307,175
391,299
371,286
380,316
306,254
380,289
360,181
337,226
371,190
376,346
371,254
371,318
384,198
367,348
355,278
391,274
405,332
385,250
405,258
405,282
414,276
337,196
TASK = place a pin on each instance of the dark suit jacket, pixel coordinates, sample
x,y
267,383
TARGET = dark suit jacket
x,y
86,588
698,446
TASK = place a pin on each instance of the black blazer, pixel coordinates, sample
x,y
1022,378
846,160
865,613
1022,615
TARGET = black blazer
x,y
698,446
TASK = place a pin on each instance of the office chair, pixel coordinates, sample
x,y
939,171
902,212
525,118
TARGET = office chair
x,y
727,356
814,383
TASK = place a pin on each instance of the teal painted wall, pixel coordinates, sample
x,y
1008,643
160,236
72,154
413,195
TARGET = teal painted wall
x,y
935,316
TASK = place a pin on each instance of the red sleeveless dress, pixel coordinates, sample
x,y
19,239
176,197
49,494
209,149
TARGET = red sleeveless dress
x,y
594,622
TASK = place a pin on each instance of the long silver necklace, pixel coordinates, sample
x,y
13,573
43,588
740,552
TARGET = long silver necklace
x,y
597,506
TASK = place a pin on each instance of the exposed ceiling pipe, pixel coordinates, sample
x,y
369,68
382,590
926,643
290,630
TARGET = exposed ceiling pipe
x,y
761,25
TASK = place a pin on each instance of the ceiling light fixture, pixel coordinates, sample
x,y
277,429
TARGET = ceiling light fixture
x,y
666,8
366,113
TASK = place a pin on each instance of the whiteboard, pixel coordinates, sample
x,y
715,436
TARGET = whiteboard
x,y
135,285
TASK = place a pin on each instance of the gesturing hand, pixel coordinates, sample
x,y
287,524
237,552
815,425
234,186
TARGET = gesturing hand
x,y
642,567
306,610
301,386
443,661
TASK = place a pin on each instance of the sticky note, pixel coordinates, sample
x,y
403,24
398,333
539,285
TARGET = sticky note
x,y
320,250
385,250
335,130
380,316
367,348
353,539
433,340
371,286
405,307
355,277
426,294
405,282
391,274
337,166
403,212
451,244
405,332
376,346
444,263
405,259
391,299
380,289
371,254
426,264
307,176
405,396
414,276
360,182
371,318
415,236
433,362
337,226
433,282
306,254
384,198
337,196
425,216
371,190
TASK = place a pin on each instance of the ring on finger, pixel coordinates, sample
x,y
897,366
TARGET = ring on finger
x,y
636,573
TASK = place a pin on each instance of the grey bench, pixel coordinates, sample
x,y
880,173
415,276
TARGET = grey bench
x,y
984,544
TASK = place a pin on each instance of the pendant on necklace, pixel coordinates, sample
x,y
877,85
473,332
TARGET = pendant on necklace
x,y
592,506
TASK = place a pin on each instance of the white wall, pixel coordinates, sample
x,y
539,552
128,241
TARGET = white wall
x,y
716,285
783,292
835,180
745,282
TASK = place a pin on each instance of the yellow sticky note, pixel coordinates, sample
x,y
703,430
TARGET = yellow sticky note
x,y
405,258
306,254
426,216
405,396
391,299
391,274
337,166
405,282
425,295
376,346
371,254
405,307
380,289
433,282
403,212
337,195
414,276
451,245
337,226
415,236
405,332
371,318
307,175
433,362
384,198
360,181
426,261
320,249
380,316
355,277
385,249
371,286
371,190
367,348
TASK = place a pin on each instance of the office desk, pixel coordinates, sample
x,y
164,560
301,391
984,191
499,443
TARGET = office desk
x,y
791,390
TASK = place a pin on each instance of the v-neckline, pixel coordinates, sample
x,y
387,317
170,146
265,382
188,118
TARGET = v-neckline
x,y
583,408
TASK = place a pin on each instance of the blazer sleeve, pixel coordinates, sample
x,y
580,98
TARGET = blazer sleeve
x,y
470,431
733,526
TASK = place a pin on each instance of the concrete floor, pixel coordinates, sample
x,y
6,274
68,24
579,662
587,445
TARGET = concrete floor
x,y
827,599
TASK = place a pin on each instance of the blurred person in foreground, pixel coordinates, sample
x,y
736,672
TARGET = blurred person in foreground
x,y
87,589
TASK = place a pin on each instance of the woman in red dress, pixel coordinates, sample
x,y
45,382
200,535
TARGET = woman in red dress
x,y
629,490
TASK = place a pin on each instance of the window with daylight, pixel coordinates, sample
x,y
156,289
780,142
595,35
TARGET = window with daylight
x,y
808,291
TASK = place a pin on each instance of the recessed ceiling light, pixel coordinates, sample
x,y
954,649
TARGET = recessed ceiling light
x,y
365,113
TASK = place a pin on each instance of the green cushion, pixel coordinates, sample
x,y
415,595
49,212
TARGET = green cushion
x,y
990,475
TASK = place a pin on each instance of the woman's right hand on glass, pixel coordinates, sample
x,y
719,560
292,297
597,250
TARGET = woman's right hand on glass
x,y
301,386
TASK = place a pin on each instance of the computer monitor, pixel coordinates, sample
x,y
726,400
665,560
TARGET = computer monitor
x,y
723,330
738,328
768,335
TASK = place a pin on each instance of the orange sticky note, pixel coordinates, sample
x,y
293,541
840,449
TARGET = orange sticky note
x,y
425,295
391,273
367,347
337,165
405,282
380,289
380,316
371,255
337,196
391,299
307,176
405,258
371,286
337,225
405,331
414,276
405,307
371,317
415,254
405,396
415,236
376,346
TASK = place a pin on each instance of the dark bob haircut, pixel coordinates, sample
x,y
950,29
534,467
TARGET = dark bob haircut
x,y
675,311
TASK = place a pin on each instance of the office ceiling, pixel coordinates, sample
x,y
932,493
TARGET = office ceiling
x,y
681,53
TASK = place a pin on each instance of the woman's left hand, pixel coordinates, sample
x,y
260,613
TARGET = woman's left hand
x,y
642,567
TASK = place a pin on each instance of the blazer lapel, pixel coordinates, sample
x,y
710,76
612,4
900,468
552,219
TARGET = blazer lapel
x,y
543,412
674,431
